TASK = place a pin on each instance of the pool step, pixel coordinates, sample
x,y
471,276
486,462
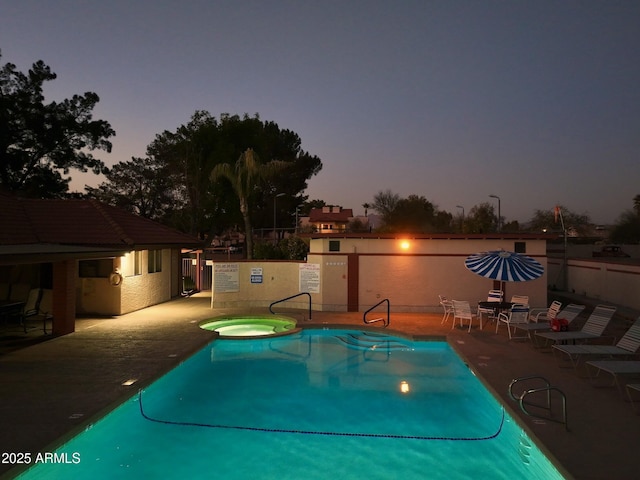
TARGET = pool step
x,y
367,341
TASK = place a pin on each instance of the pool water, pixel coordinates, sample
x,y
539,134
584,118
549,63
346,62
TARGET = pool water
x,y
318,404
250,325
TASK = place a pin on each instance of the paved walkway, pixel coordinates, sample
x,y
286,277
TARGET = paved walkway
x,y
51,390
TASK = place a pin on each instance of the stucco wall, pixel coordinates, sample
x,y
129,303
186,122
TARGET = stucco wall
x,y
411,278
611,282
279,280
98,296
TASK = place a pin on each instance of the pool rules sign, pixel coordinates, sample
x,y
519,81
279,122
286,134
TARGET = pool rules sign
x,y
310,277
226,277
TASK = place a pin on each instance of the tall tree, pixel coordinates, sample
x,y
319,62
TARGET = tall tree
x,y
549,220
627,228
244,176
385,202
141,186
193,151
481,219
40,142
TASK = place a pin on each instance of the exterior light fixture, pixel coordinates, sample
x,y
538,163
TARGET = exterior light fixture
x,y
404,386
405,245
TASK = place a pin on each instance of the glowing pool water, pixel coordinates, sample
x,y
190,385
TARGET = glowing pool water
x,y
319,404
250,325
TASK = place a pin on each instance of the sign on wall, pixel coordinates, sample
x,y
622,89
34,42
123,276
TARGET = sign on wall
x,y
310,277
256,275
226,277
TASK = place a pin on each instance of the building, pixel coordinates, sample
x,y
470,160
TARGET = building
x,y
95,258
328,219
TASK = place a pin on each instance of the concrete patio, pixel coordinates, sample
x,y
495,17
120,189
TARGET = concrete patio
x,y
52,389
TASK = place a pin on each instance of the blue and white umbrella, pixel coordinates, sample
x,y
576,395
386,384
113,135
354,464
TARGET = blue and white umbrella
x,y
504,266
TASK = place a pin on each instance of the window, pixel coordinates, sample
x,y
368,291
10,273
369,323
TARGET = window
x,y
131,264
334,245
520,247
155,261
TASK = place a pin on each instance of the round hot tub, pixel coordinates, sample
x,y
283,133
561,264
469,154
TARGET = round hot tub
x,y
250,326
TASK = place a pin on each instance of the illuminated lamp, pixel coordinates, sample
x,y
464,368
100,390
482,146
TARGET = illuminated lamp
x,y
404,386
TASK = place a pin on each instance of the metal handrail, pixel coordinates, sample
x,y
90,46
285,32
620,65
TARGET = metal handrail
x,y
289,298
547,388
385,323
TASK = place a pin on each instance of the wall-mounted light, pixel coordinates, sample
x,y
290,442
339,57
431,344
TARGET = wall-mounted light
x,y
405,245
404,386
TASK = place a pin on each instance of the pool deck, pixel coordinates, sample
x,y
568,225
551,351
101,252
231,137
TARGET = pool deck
x,y
52,389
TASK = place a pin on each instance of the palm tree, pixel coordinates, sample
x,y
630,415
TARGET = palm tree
x,y
636,204
244,176
366,207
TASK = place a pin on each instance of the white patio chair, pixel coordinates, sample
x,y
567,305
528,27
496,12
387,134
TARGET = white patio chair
x,y
519,314
545,314
520,299
493,296
447,307
462,311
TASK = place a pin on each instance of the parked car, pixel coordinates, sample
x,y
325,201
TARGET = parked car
x,y
610,251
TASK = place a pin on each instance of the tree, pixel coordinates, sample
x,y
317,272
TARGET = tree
x,y
549,220
244,176
414,214
195,149
481,219
141,186
385,203
40,142
627,228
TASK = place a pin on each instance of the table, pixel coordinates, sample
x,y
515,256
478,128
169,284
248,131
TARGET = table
x,y
497,307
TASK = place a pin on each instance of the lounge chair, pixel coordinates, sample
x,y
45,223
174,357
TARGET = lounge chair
x,y
633,387
616,368
629,344
43,310
569,313
462,310
188,287
519,314
592,329
30,308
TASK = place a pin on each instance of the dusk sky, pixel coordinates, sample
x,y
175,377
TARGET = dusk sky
x,y
535,101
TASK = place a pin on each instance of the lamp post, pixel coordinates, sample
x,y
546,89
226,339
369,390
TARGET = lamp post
x,y
275,232
462,219
499,215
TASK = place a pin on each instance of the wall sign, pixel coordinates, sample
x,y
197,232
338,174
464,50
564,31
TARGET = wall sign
x,y
310,277
256,275
226,277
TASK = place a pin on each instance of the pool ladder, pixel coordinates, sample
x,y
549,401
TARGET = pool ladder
x,y
545,389
385,321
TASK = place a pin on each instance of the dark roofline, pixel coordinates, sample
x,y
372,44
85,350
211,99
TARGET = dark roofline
x,y
435,236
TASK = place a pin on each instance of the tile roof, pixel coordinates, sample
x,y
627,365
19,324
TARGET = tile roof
x,y
82,223
318,215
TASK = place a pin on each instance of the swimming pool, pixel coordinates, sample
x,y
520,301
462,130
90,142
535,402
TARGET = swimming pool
x,y
315,404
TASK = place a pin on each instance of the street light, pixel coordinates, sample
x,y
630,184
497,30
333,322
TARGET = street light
x,y
275,232
462,219
499,215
